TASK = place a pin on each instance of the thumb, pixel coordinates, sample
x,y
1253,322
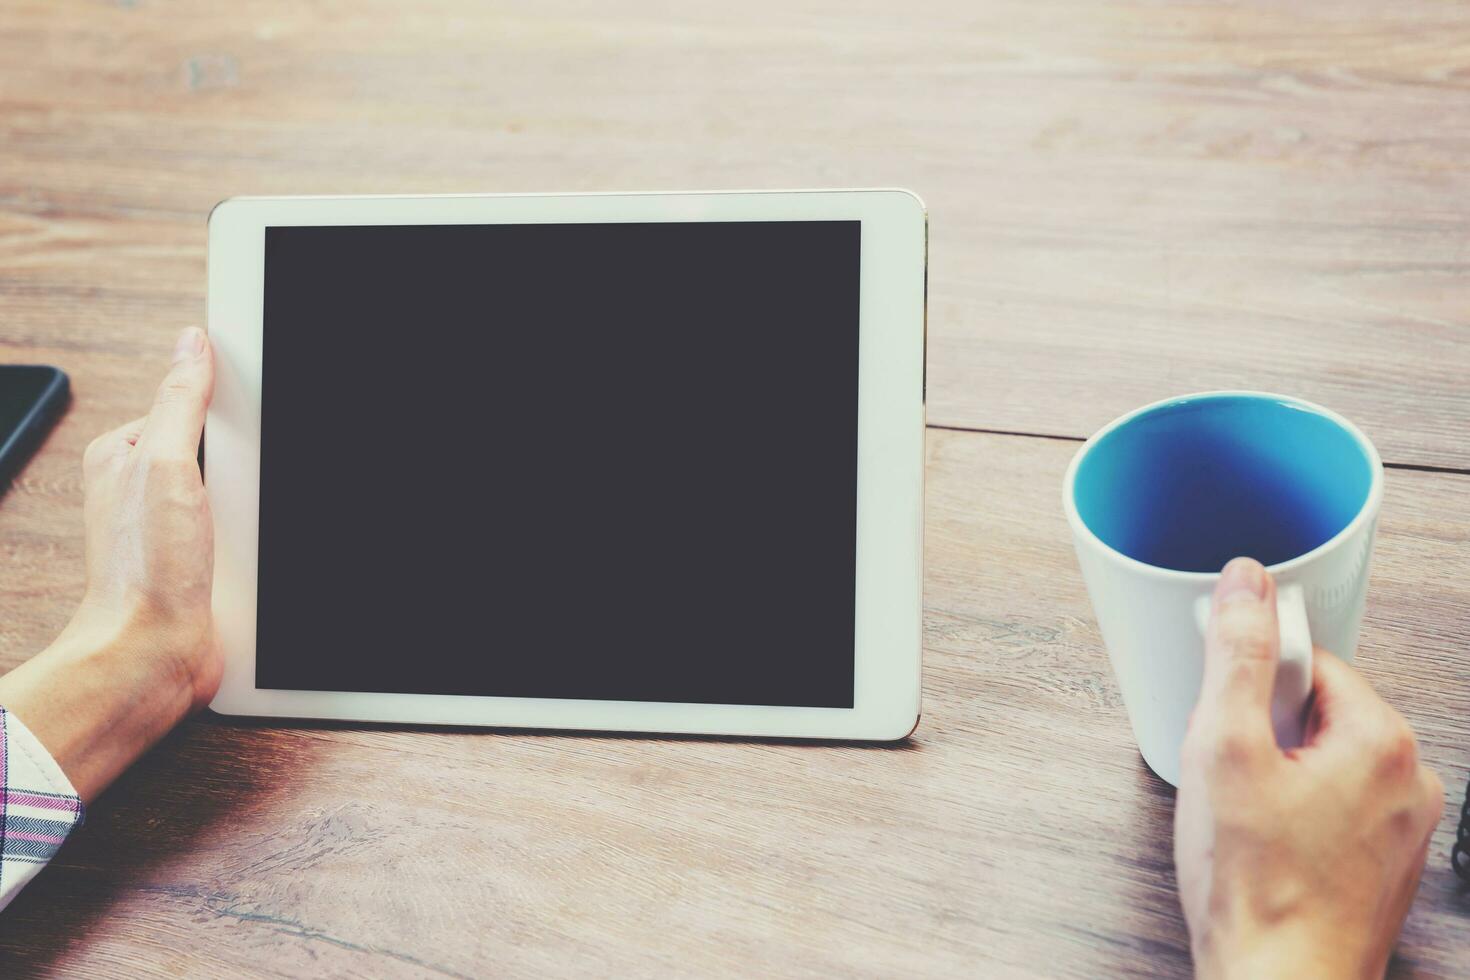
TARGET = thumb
x,y
1242,647
176,420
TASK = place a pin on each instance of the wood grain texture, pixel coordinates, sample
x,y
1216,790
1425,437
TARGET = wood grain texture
x,y
1017,834
1129,200
1167,199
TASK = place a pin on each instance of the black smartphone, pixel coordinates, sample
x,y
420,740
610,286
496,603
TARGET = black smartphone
x,y
32,398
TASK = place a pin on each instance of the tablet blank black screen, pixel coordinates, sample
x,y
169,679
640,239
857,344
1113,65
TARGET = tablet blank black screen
x,y
598,461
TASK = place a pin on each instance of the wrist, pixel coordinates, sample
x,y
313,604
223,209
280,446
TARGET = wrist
x,y
170,651
100,696
129,651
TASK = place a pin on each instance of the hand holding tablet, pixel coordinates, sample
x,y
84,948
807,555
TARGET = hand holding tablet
x,y
613,462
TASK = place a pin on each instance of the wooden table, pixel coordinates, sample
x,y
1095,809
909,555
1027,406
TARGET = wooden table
x,y
1128,200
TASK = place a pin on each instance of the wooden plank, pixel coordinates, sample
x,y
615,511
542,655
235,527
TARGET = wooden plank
x,y
1130,200
1017,833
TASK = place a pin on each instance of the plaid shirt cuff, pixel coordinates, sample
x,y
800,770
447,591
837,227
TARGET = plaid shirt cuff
x,y
38,807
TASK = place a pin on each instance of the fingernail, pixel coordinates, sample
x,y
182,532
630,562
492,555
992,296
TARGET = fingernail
x,y
1241,576
190,344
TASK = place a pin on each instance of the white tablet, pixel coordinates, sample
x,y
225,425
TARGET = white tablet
x,y
618,462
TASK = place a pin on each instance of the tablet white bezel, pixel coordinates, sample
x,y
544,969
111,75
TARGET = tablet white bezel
x,y
890,457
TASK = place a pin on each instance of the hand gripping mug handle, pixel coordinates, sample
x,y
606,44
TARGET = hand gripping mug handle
x,y
1294,673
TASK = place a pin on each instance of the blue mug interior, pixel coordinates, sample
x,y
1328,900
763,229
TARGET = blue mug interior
x,y
1193,483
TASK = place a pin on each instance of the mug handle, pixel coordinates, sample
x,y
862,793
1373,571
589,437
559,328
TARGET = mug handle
x,y
1294,674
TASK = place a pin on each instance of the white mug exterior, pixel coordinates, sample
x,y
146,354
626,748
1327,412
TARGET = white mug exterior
x,y
1147,615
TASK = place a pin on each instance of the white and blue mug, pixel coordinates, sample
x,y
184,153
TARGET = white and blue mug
x,y
1160,499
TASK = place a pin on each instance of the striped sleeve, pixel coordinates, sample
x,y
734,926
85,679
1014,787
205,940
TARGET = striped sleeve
x,y
38,807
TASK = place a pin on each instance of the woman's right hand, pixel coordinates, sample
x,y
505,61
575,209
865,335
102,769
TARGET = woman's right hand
x,y
1301,862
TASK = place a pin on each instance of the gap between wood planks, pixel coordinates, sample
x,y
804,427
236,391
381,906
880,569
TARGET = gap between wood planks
x,y
1413,467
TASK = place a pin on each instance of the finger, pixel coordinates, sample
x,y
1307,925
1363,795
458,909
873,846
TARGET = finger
x,y
1433,789
1343,701
1241,651
123,437
112,444
128,433
176,420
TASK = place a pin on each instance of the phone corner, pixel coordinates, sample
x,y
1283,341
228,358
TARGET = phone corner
x,y
60,389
